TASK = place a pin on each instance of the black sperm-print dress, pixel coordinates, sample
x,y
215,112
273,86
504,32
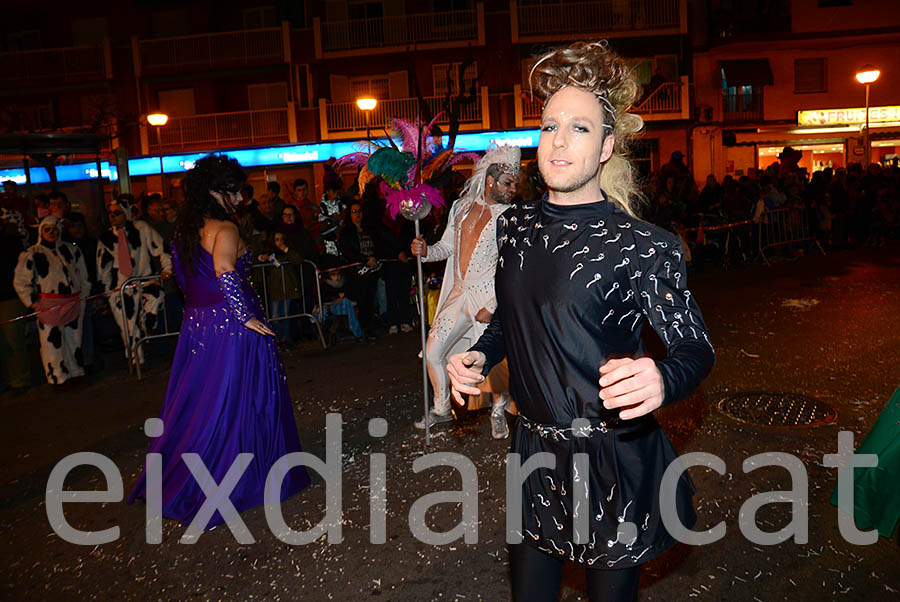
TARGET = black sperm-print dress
x,y
574,285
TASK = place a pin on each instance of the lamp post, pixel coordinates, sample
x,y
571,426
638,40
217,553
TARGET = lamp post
x,y
158,120
867,75
367,105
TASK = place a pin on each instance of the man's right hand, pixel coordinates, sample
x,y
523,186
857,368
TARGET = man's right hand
x,y
464,370
419,248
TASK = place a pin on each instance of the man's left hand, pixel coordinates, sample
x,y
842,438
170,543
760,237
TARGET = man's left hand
x,y
483,316
633,384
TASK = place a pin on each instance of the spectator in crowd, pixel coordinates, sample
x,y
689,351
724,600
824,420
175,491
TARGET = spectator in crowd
x,y
124,251
295,234
675,168
711,196
265,215
331,213
59,205
309,213
282,284
337,308
15,366
357,245
78,234
41,210
842,207
247,194
12,198
158,218
50,278
274,190
394,240
135,207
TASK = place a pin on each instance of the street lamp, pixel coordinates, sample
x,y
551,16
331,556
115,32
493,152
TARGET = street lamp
x,y
867,75
158,120
367,105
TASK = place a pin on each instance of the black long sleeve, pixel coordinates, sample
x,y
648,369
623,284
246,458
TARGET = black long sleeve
x,y
676,318
491,343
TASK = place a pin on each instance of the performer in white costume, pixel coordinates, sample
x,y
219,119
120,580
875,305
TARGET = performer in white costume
x,y
467,302
125,251
50,278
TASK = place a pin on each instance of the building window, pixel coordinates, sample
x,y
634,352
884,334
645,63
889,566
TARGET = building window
x,y
810,76
443,6
376,86
365,9
259,17
272,95
447,75
24,40
742,103
31,118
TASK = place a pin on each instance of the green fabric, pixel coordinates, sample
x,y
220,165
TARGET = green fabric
x,y
876,490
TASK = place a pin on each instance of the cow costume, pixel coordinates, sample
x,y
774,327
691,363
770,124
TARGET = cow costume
x,y
51,276
132,245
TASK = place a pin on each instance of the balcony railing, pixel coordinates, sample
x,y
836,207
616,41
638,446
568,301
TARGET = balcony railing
x,y
220,130
548,21
742,107
346,117
74,62
531,107
668,101
664,99
250,46
398,31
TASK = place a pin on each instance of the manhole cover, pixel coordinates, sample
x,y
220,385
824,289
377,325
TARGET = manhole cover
x,y
777,409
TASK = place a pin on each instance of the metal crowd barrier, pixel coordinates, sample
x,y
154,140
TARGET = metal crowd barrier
x,y
136,338
772,228
305,310
783,227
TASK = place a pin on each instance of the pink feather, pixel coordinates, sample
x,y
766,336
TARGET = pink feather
x,y
354,159
409,134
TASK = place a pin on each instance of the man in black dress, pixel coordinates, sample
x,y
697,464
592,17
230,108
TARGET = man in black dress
x,y
578,274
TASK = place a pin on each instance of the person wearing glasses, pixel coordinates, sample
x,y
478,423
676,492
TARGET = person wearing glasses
x,y
50,278
126,250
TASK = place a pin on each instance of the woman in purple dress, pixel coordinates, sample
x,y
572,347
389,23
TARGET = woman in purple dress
x,y
227,392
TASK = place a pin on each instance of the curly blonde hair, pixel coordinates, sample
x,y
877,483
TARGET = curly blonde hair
x,y
593,67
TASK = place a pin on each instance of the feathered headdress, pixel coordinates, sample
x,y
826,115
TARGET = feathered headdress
x,y
508,157
407,171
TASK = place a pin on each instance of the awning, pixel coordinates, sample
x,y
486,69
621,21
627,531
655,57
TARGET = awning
x,y
60,144
747,72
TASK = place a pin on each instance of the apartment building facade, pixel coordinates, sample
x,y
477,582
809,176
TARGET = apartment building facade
x,y
230,75
788,79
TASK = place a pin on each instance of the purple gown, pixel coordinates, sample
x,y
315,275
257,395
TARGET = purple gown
x,y
227,395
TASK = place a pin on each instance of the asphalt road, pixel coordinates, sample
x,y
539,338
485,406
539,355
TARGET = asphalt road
x,y
822,327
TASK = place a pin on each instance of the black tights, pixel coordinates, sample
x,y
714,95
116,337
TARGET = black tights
x,y
536,577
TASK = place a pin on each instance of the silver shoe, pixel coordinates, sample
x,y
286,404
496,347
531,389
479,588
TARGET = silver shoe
x,y
499,428
433,419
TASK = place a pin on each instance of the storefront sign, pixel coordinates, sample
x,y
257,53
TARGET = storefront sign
x,y
820,117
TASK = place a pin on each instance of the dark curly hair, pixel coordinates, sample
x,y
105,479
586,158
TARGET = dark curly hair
x,y
218,173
